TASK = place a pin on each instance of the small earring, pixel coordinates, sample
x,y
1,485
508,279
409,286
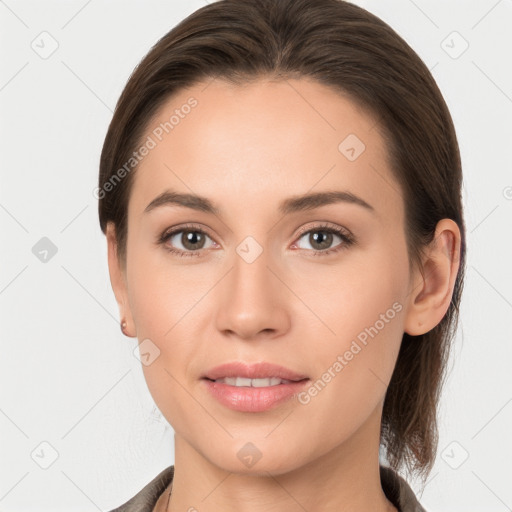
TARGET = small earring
x,y
123,327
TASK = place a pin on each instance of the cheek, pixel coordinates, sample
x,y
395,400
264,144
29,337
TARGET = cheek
x,y
349,296
162,294
361,308
352,368
163,304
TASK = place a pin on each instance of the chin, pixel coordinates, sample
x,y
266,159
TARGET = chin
x,y
249,460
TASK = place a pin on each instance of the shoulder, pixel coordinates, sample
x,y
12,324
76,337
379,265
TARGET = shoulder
x,y
398,491
146,498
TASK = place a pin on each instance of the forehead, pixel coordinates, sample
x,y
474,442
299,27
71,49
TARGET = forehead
x,y
244,143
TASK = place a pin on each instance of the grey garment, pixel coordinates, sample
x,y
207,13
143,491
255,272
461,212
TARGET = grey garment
x,y
398,491
145,500
394,486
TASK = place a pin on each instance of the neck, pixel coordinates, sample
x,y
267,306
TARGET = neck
x,y
346,478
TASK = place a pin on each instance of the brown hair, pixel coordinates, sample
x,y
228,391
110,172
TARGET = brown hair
x,y
351,50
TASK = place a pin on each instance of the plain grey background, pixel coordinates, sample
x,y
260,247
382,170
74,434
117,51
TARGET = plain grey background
x,y
78,427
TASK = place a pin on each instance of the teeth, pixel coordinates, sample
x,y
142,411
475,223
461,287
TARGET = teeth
x,y
255,383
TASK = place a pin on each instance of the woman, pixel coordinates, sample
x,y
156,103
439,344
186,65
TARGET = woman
x,y
280,188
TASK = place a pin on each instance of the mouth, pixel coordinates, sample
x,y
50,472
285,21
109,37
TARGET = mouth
x,y
257,387
254,383
253,395
261,374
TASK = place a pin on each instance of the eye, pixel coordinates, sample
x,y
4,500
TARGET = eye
x,y
189,240
322,237
185,240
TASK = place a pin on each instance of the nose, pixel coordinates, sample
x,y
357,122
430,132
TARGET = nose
x,y
252,300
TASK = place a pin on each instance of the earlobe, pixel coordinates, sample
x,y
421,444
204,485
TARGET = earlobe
x,y
431,294
118,280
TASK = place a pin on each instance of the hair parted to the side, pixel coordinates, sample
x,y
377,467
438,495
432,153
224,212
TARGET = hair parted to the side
x,y
351,50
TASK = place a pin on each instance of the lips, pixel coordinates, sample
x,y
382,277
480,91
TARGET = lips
x,y
261,370
253,399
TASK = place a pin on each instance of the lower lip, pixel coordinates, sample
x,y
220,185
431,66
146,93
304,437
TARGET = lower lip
x,y
249,399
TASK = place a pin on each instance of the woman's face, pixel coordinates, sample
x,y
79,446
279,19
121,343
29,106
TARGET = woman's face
x,y
265,278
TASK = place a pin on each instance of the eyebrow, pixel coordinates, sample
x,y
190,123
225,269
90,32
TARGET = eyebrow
x,y
291,205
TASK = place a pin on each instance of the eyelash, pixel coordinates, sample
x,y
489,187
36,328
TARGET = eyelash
x,y
347,238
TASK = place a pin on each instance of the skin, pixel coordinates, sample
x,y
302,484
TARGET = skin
x,y
247,148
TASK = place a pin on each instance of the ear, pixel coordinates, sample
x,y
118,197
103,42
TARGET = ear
x,y
431,293
118,279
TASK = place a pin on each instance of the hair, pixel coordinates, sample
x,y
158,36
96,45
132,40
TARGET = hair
x,y
354,52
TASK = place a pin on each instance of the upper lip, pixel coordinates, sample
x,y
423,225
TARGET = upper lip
x,y
260,370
